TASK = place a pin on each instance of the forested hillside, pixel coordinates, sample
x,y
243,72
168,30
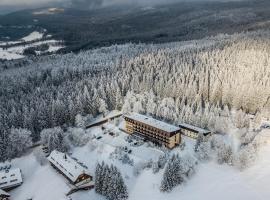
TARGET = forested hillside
x,y
185,20
201,82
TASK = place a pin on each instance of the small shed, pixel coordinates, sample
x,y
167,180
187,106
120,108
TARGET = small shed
x,y
70,168
193,131
10,179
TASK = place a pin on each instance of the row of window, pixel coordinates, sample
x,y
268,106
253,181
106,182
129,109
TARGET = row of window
x,y
162,139
4,177
152,132
11,181
151,128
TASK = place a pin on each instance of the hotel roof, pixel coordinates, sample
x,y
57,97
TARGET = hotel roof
x,y
153,122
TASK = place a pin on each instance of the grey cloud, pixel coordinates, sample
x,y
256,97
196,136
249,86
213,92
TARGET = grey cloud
x,y
86,4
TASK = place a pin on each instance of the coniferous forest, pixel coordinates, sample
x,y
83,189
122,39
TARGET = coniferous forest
x,y
210,83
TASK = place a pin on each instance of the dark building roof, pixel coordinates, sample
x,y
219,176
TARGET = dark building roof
x,y
194,128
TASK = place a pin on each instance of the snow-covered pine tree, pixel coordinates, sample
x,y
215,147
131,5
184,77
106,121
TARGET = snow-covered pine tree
x,y
20,140
109,182
98,178
175,173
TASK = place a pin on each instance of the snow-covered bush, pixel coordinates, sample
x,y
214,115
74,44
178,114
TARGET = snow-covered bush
x,y
162,160
241,120
245,156
55,138
120,154
203,151
155,167
182,146
77,136
79,121
127,160
160,164
92,145
224,154
139,167
40,157
20,140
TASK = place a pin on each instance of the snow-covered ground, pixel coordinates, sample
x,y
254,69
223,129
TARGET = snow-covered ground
x,y
9,55
211,181
18,47
33,36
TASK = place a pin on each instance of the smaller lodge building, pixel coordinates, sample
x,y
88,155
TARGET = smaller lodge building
x,y
69,167
153,130
4,195
193,131
10,179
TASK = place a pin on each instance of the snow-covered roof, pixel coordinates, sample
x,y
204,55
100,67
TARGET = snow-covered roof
x,y
153,122
66,165
97,121
10,178
4,194
193,128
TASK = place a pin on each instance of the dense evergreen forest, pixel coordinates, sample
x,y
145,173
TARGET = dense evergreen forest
x,y
205,82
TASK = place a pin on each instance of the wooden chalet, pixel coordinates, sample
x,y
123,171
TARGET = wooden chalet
x,y
70,168
193,131
10,179
153,130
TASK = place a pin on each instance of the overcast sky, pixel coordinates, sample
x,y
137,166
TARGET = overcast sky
x,y
11,5
24,2
42,2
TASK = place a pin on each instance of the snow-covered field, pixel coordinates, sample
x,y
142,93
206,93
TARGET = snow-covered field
x,y
33,40
33,36
4,54
211,181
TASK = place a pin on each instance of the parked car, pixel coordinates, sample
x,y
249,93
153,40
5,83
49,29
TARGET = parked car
x,y
267,126
99,137
111,134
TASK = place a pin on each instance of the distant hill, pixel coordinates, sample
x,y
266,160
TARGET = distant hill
x,y
103,27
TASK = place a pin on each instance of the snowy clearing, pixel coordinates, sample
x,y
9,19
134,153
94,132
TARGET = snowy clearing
x,y
33,36
13,50
9,55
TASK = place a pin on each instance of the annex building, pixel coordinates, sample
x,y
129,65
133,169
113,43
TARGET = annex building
x,y
153,130
193,131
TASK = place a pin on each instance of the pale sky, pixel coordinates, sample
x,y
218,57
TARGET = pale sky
x,y
42,2
13,5
26,2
